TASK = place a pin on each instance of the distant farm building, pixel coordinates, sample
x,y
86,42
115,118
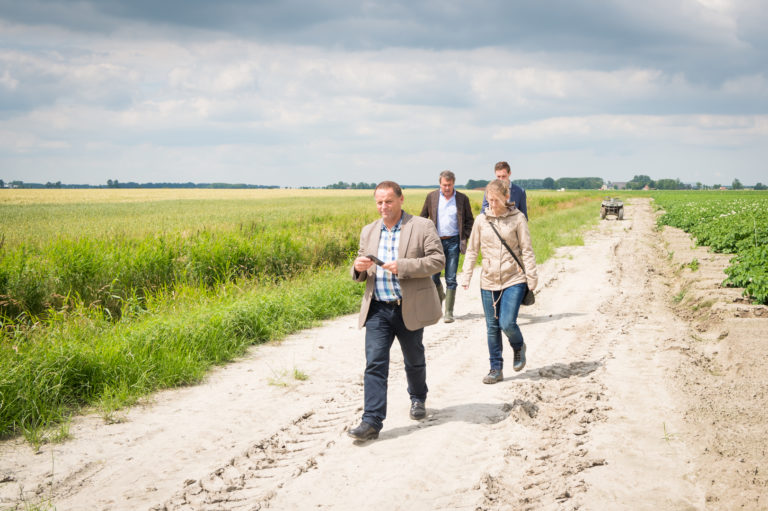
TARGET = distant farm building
x,y
614,185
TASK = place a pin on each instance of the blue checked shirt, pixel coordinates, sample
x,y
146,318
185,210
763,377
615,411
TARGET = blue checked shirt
x,y
387,287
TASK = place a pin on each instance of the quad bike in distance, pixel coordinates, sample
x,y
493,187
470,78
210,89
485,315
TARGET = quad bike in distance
x,y
612,206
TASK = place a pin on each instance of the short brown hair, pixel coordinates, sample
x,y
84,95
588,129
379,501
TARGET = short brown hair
x,y
502,165
392,186
497,186
447,174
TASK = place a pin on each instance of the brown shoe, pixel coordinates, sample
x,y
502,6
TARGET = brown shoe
x,y
495,376
519,358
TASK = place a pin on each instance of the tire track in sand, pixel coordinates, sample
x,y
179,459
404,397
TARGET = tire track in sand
x,y
249,481
253,479
561,403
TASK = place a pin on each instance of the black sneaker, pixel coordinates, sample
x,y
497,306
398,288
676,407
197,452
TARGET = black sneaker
x,y
418,410
363,432
519,358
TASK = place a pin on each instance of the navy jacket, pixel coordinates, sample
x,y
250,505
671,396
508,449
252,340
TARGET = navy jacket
x,y
516,195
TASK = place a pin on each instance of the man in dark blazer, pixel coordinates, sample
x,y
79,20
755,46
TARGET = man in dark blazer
x,y
451,213
397,256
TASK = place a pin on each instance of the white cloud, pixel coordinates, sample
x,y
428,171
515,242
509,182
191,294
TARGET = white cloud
x,y
7,81
20,143
536,84
749,86
708,131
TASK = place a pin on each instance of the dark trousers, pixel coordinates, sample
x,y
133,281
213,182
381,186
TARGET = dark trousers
x,y
384,323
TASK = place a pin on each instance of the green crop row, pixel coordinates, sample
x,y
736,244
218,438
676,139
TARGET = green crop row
x,y
106,272
728,222
106,254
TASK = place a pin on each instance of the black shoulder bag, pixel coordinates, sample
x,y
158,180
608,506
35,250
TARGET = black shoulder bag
x,y
529,298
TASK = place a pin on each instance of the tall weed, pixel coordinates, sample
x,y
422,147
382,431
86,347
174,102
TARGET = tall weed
x,y
52,372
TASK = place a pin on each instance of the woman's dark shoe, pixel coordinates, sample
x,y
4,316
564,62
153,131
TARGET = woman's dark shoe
x,y
495,376
418,410
363,432
519,358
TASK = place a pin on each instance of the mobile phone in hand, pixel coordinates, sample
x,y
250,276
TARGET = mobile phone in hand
x,y
375,259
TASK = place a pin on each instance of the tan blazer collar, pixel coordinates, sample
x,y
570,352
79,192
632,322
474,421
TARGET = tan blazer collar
x,y
406,227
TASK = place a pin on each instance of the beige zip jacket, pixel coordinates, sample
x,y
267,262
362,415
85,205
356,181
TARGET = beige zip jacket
x,y
499,269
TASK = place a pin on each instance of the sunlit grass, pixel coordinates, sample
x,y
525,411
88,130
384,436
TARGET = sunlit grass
x,y
117,293
56,255
562,227
36,224
87,360
114,195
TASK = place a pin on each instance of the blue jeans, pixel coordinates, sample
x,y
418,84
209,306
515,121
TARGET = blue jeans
x,y
451,249
502,319
384,323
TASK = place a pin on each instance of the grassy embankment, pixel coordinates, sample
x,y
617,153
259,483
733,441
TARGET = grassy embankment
x,y
110,295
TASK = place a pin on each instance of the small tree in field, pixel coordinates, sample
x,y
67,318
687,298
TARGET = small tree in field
x,y
736,185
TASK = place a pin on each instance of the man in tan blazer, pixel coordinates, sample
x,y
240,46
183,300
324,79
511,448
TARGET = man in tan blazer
x,y
397,256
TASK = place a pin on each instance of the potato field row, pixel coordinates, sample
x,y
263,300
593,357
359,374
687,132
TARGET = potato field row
x,y
728,222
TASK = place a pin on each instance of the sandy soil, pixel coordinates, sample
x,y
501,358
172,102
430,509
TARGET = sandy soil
x,y
645,389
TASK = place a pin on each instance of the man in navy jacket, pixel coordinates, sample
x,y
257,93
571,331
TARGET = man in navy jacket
x,y
516,194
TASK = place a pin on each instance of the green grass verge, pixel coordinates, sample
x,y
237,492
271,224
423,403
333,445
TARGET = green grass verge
x,y
51,372
564,227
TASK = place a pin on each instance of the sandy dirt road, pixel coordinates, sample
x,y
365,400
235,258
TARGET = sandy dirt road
x,y
644,389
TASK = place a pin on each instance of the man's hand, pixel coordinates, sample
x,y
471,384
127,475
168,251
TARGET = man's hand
x,y
392,267
362,264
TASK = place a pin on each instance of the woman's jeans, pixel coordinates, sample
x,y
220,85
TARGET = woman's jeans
x,y
451,249
502,319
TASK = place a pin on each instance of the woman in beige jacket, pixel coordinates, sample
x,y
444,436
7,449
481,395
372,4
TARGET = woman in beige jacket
x,y
503,282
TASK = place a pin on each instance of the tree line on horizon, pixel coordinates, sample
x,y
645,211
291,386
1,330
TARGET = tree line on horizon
x,y
638,182
114,183
570,183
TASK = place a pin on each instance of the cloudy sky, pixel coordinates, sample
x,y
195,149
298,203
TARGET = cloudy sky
x,y
307,93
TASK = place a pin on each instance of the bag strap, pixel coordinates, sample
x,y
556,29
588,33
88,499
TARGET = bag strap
x,y
505,245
